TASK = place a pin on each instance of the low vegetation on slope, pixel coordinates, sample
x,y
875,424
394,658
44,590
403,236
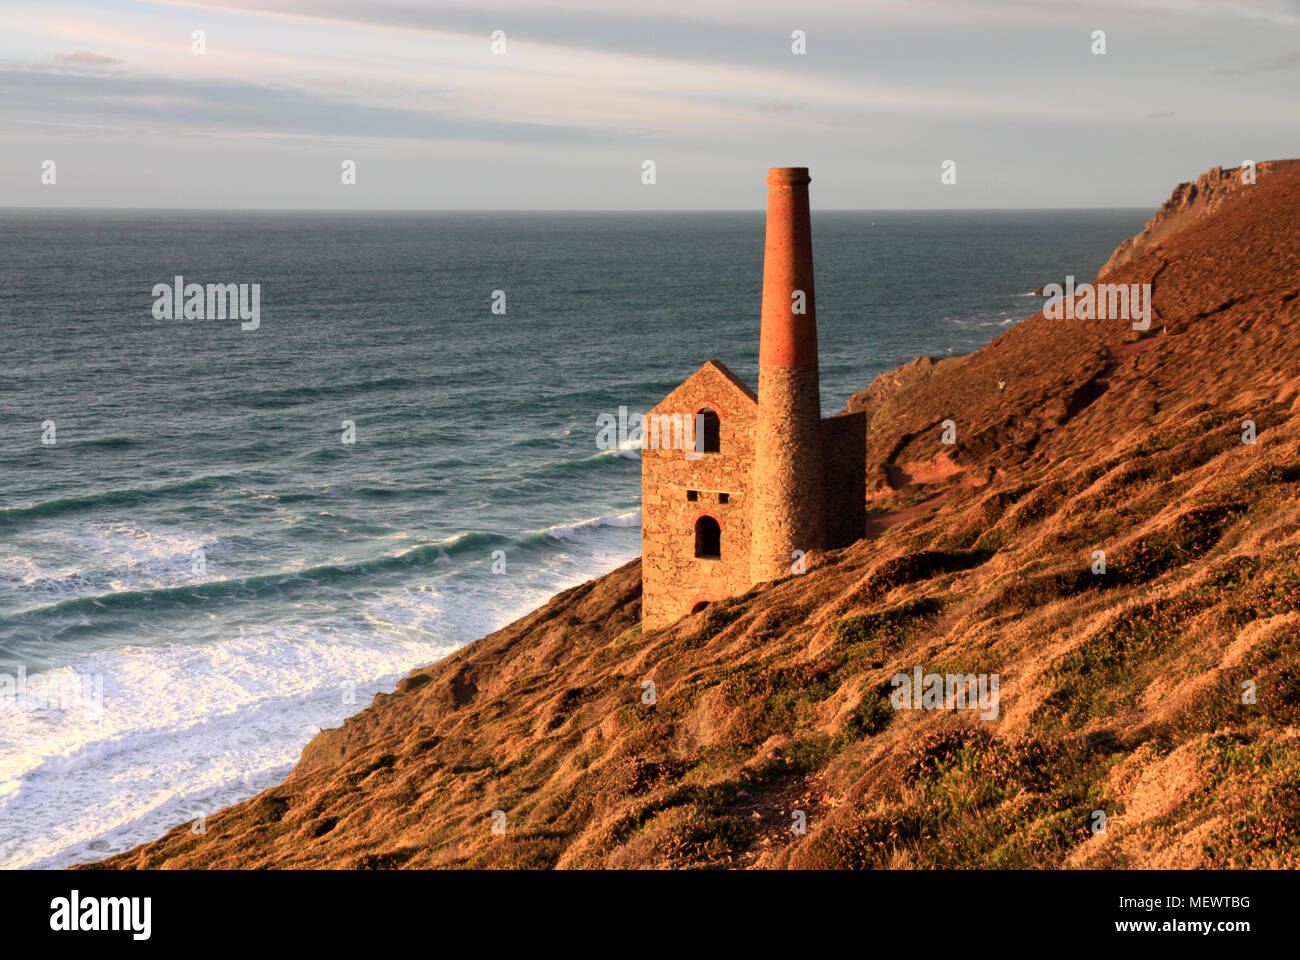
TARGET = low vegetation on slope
x,y
1147,715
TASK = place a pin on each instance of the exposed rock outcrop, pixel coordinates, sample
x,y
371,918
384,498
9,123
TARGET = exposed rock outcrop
x,y
1187,204
893,382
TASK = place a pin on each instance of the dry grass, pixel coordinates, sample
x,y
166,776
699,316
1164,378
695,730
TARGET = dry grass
x,y
1119,692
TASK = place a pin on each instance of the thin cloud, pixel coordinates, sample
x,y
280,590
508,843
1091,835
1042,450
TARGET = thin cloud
x,y
230,106
86,57
1271,11
1286,61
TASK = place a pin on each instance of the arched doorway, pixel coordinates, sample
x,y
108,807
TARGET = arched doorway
x,y
708,538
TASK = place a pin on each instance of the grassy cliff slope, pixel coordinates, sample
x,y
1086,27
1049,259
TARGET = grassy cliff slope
x,y
1119,692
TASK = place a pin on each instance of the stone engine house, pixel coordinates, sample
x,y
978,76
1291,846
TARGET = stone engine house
x,y
736,486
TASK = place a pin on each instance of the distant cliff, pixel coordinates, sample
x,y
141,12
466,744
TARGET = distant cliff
x,y
1159,698
1188,203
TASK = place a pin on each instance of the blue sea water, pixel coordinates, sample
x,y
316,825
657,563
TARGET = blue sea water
x,y
223,576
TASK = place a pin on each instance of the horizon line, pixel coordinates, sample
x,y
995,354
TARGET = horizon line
x,y
756,210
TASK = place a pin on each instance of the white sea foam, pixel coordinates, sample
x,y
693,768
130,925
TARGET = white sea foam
x,y
187,728
629,452
566,531
105,557
183,730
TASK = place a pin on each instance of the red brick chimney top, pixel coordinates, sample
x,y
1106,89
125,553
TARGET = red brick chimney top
x,y
787,175
788,335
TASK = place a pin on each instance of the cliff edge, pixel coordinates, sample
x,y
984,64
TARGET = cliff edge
x,y
1188,203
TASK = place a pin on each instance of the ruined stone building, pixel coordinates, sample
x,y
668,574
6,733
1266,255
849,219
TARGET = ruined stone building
x,y
766,480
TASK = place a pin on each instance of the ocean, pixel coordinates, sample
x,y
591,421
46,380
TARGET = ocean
x,y
197,573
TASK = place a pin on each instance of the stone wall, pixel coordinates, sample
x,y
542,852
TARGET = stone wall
x,y
673,579
844,453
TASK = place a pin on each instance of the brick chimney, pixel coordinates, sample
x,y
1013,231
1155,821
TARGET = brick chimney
x,y
788,507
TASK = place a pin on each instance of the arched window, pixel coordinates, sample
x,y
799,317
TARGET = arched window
x,y
712,439
708,538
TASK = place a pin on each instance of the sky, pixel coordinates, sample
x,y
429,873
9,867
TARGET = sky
x,y
565,112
